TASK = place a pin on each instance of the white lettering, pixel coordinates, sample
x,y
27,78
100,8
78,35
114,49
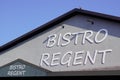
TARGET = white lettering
x,y
76,37
43,59
16,70
58,43
78,58
103,52
88,56
64,57
61,40
16,67
85,37
96,37
51,40
16,73
55,59
66,39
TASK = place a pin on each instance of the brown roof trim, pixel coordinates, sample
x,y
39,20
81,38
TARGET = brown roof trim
x,y
54,22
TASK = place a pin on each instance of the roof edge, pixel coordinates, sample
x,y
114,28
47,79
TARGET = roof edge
x,y
54,22
37,30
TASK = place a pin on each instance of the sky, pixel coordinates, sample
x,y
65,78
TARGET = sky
x,y
18,17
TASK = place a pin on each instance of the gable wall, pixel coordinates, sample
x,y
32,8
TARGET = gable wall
x,y
32,49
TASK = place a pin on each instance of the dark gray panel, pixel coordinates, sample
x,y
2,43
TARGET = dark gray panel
x,y
20,69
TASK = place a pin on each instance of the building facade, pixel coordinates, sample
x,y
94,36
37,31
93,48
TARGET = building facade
x,y
79,42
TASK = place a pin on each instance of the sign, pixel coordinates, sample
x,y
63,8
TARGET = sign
x,y
78,46
80,57
21,68
70,44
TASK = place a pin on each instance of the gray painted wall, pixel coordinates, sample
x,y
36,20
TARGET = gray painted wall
x,y
32,49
